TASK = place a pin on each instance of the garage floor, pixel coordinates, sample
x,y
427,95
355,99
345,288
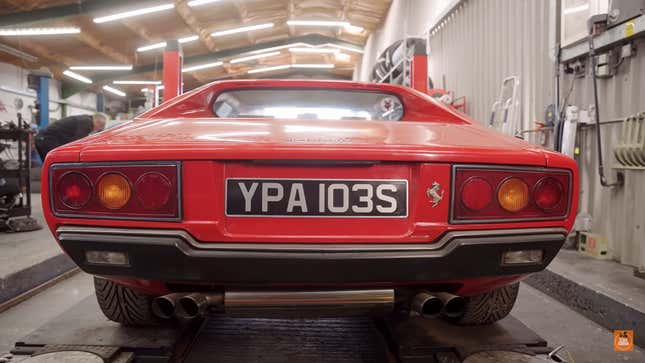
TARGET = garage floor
x,y
585,340
29,253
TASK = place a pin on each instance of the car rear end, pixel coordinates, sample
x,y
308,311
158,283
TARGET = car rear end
x,y
386,211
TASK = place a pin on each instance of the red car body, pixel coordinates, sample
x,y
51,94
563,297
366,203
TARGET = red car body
x,y
426,146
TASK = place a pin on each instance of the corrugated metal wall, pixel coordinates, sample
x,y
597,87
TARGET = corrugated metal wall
x,y
487,40
617,213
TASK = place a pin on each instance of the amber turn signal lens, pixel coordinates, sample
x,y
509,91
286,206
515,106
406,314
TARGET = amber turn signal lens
x,y
114,191
513,194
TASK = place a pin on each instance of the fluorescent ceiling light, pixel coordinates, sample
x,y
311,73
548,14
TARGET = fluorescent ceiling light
x,y
343,57
319,66
301,45
127,81
201,2
317,23
132,13
162,86
77,77
279,47
151,47
576,9
269,69
102,68
39,31
314,50
354,29
115,91
188,39
144,90
242,29
253,57
202,66
349,49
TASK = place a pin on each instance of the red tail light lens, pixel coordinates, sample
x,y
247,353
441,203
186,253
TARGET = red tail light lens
x,y
500,194
548,193
153,190
117,191
476,193
75,190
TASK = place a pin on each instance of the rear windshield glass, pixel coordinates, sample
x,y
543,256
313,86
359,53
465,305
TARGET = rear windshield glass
x,y
308,104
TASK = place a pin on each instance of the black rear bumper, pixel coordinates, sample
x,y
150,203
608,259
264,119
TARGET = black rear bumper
x,y
169,255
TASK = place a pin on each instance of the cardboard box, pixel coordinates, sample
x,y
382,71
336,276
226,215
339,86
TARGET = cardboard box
x,y
593,245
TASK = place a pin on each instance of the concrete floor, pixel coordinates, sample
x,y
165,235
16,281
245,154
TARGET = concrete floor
x,y
25,249
584,340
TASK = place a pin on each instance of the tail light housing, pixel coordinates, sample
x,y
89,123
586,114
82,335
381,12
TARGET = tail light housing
x,y
139,191
484,194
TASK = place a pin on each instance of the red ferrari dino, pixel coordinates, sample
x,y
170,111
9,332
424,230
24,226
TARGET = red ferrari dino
x,y
325,197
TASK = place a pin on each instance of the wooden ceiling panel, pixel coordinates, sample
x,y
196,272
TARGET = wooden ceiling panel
x,y
116,42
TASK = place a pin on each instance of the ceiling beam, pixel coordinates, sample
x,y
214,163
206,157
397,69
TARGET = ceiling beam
x,y
45,53
89,38
60,12
313,39
343,14
139,31
56,62
243,14
191,21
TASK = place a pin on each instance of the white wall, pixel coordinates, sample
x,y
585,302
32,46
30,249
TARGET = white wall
x,y
15,78
406,18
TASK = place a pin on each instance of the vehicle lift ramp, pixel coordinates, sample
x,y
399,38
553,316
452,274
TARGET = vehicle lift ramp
x,y
83,334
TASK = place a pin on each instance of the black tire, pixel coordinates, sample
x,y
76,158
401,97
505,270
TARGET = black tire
x,y
489,307
124,305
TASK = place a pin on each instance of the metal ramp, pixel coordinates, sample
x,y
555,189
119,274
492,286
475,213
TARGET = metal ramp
x,y
226,339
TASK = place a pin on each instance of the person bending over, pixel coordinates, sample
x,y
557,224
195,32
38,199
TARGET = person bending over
x,y
66,130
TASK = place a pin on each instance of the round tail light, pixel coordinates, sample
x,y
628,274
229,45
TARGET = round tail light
x,y
75,190
513,194
114,191
548,193
476,194
153,190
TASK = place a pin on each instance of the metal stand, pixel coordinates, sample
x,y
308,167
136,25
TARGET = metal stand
x,y
16,216
226,339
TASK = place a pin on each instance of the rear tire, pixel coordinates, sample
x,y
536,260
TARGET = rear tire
x,y
124,305
488,307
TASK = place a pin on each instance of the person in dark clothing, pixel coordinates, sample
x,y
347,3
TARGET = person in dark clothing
x,y
66,130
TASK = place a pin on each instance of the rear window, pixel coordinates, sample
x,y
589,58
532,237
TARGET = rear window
x,y
305,104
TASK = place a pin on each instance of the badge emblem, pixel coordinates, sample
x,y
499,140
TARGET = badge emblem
x,y
436,193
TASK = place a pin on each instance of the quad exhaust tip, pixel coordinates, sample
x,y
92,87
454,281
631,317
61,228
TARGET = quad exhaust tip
x,y
197,304
453,305
165,306
430,305
426,305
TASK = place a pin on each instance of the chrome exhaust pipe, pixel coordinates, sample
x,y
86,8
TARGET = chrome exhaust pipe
x,y
198,304
453,305
165,306
319,303
426,305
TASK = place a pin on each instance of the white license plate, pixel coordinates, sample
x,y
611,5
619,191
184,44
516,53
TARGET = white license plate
x,y
382,198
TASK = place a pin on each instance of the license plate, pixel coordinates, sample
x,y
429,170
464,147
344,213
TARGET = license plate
x,y
370,198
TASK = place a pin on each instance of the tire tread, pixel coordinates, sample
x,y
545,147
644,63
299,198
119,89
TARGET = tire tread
x,y
490,306
122,304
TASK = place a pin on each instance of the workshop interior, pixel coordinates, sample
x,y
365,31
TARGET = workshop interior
x,y
322,181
